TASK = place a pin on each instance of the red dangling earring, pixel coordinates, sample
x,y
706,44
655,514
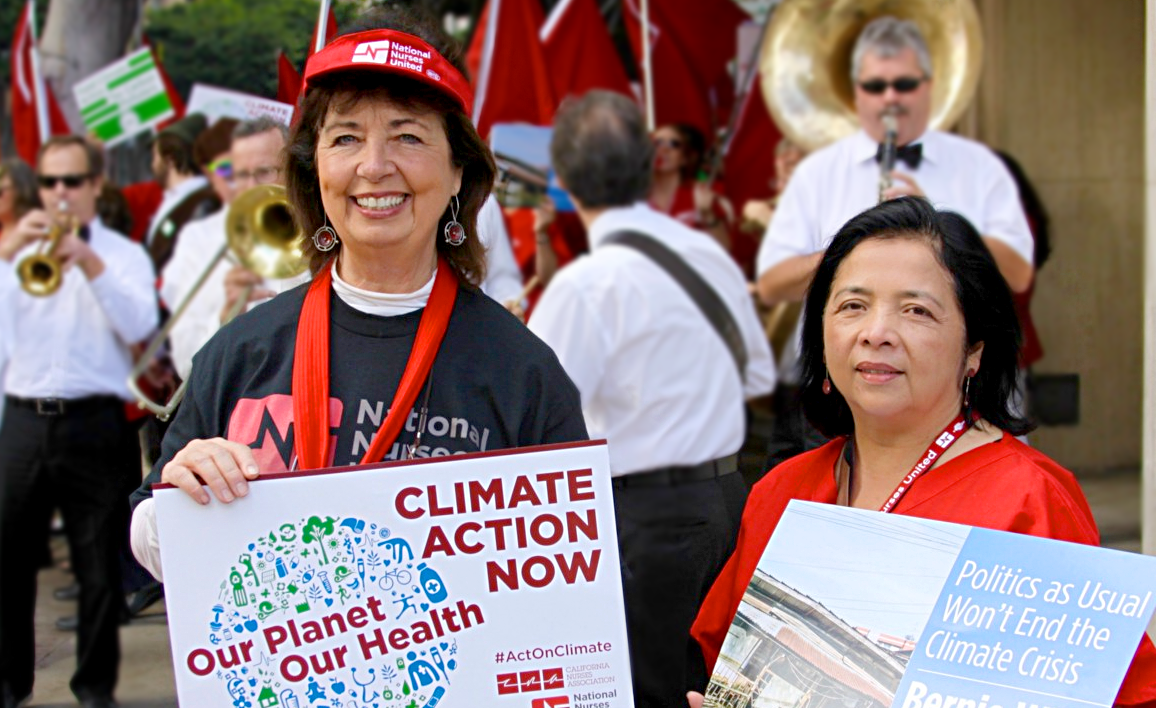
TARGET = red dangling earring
x,y
826,384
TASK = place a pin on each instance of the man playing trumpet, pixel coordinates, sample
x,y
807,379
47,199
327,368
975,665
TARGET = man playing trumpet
x,y
892,76
64,440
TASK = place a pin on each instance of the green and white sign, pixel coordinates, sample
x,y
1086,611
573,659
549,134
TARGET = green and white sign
x,y
124,98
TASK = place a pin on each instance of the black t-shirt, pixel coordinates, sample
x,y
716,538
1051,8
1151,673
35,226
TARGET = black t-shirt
x,y
493,385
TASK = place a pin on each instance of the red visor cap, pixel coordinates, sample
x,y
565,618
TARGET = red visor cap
x,y
395,53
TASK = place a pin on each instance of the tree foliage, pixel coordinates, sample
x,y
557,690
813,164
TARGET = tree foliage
x,y
9,15
234,43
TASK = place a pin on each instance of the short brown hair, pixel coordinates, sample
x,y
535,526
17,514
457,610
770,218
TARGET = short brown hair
x,y
214,141
173,149
467,151
344,90
94,154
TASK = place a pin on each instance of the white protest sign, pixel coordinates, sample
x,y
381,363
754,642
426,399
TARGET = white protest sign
x,y
908,612
124,98
487,579
214,102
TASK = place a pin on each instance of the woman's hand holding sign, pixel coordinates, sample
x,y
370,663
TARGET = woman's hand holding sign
x,y
224,467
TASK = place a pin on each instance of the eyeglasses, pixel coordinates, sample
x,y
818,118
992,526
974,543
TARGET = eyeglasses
x,y
70,181
222,168
904,84
261,175
673,143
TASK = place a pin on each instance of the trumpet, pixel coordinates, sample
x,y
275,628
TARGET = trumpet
x,y
41,273
261,235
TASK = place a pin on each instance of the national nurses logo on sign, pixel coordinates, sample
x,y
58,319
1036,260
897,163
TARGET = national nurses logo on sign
x,y
376,52
333,611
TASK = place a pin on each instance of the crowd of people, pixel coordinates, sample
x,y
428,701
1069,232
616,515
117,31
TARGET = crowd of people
x,y
647,332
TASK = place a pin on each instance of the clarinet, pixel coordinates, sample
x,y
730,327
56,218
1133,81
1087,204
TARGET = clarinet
x,y
889,151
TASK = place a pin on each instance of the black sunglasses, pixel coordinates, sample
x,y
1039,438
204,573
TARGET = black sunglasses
x,y
904,84
70,181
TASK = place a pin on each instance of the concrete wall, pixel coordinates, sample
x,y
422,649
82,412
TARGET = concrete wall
x,y
1063,92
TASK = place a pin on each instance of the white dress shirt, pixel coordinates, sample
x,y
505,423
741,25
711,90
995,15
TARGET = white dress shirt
x,y
170,200
503,277
838,182
198,243
656,380
75,342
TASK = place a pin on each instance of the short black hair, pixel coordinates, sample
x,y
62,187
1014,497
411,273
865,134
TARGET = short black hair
x,y
693,149
601,150
983,297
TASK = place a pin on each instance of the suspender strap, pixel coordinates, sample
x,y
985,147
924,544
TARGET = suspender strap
x,y
703,295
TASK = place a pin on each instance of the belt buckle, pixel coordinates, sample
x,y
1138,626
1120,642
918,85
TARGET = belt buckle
x,y
49,406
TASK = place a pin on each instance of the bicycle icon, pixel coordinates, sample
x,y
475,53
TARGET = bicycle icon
x,y
399,575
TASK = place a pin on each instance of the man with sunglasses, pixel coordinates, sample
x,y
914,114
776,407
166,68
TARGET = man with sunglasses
x,y
64,440
891,73
256,153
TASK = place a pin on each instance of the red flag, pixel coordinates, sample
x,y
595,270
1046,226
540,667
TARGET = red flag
x,y
749,165
288,81
330,33
175,99
691,43
579,51
511,83
748,162
27,89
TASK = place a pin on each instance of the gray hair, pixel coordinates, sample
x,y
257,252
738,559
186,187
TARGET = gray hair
x,y
258,125
886,37
601,150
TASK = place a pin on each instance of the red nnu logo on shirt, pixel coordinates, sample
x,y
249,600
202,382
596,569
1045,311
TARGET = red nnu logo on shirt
x,y
266,426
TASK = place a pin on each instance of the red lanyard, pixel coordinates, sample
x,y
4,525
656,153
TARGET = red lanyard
x,y
954,431
311,369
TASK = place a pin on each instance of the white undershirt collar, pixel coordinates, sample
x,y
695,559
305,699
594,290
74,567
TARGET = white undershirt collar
x,y
382,304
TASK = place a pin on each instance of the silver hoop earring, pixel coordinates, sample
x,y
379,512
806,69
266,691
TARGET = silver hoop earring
x,y
454,232
325,238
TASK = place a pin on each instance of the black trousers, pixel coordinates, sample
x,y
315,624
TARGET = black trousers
x,y
78,462
674,541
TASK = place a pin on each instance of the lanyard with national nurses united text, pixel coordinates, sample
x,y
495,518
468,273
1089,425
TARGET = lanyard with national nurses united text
x,y
954,431
311,369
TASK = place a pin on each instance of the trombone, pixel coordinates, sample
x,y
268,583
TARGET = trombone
x,y
41,273
261,235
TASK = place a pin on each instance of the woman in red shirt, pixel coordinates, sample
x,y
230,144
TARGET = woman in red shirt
x,y
910,346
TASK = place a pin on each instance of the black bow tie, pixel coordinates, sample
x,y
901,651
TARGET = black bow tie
x,y
84,233
911,155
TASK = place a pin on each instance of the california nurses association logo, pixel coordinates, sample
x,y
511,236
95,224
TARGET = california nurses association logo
x,y
332,612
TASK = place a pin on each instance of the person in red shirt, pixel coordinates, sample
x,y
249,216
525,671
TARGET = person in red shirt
x,y
910,345
678,191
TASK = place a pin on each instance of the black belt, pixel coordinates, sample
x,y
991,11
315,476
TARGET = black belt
x,y
675,476
65,406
